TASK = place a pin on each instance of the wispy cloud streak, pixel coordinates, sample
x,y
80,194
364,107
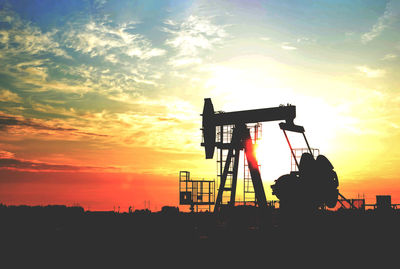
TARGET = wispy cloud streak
x,y
101,39
191,37
392,12
22,38
8,96
36,166
8,122
371,73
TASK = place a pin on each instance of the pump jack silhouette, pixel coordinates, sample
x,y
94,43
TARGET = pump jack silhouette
x,y
313,186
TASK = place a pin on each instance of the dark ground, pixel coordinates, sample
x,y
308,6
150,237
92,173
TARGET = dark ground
x,y
59,236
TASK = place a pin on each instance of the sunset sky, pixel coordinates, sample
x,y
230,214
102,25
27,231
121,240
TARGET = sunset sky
x,y
100,101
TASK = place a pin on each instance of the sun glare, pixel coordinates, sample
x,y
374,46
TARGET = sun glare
x,y
273,154
259,82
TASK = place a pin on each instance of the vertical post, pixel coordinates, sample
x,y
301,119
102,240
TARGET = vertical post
x,y
214,194
201,190
209,196
186,179
221,158
235,173
244,179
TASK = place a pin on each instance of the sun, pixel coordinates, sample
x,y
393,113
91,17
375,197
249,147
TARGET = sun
x,y
273,154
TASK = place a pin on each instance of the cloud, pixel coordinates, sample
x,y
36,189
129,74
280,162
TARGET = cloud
x,y
389,57
391,14
305,40
7,96
20,37
394,125
18,124
168,121
164,123
145,54
28,63
287,46
11,163
100,3
38,76
6,154
8,121
191,37
102,39
4,37
34,69
112,58
184,61
371,73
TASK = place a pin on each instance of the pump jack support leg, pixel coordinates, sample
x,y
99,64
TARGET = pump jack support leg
x,y
223,180
234,144
254,170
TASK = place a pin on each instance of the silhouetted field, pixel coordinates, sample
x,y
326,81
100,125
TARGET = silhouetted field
x,y
59,235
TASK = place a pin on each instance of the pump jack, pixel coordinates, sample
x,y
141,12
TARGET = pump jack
x,y
315,178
